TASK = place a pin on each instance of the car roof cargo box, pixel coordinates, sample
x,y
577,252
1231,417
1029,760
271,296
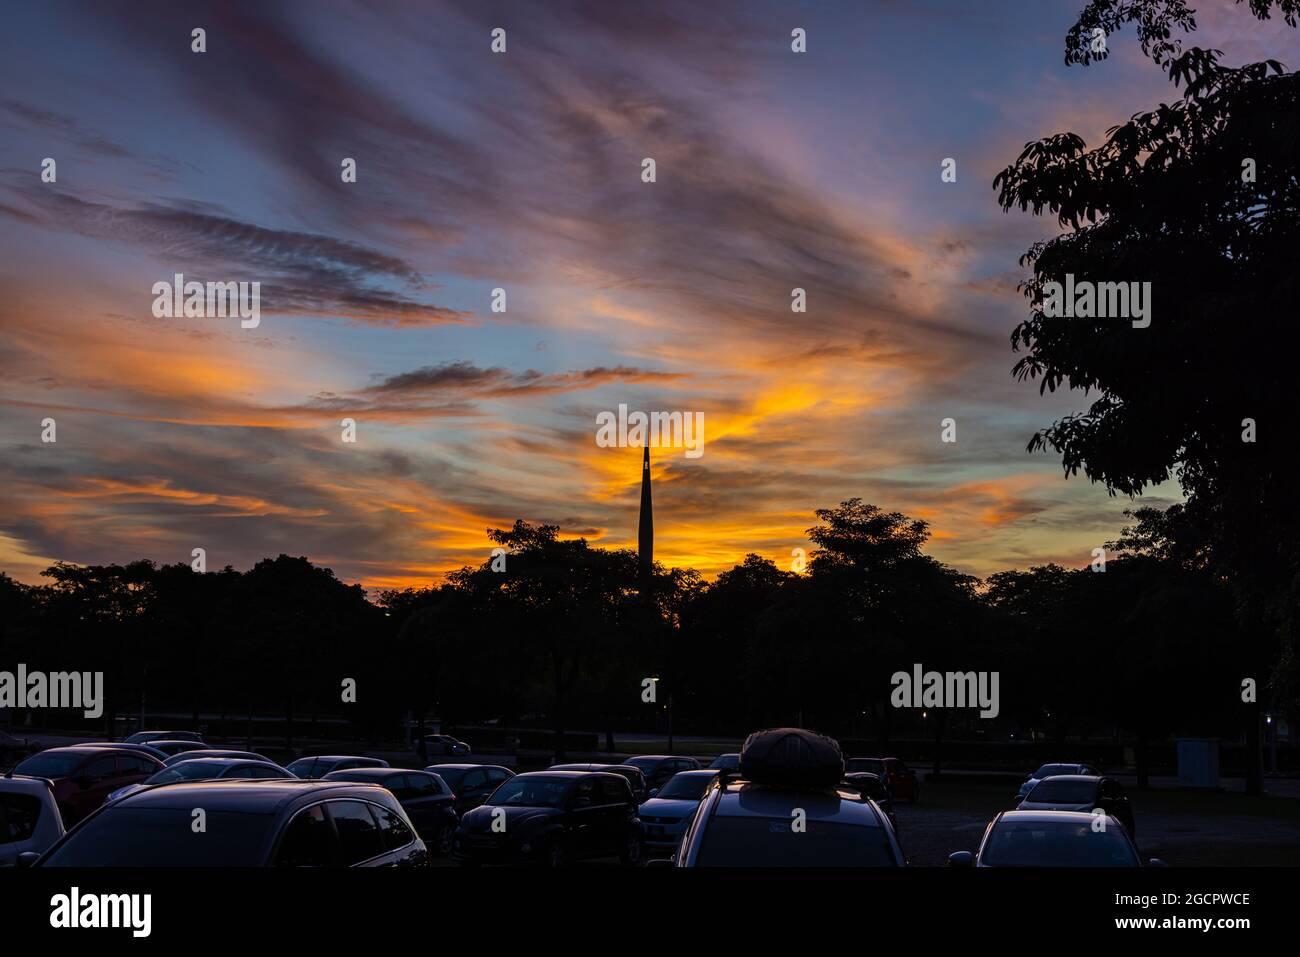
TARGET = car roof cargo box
x,y
792,757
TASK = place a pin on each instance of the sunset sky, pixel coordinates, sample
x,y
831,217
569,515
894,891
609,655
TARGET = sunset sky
x,y
522,170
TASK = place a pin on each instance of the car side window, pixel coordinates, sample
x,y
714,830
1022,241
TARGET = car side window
x,y
134,764
399,785
424,785
496,775
359,837
392,828
257,771
18,816
474,781
614,792
586,788
100,768
308,841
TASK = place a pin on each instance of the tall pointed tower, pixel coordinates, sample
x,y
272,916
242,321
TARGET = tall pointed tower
x,y
646,528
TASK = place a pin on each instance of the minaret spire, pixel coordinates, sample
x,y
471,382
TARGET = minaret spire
x,y
646,528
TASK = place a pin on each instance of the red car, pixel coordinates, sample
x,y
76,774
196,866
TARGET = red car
x,y
83,775
901,780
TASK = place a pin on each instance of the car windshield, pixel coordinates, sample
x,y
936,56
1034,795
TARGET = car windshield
x,y
48,765
642,764
686,787
1056,791
1057,844
124,836
726,762
1047,770
530,792
771,842
304,766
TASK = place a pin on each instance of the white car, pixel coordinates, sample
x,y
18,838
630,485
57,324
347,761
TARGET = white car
x,y
29,818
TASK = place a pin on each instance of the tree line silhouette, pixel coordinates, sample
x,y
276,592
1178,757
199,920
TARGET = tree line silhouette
x,y
566,635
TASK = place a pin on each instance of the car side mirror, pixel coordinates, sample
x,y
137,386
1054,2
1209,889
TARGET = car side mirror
x,y
27,859
1156,862
654,791
961,859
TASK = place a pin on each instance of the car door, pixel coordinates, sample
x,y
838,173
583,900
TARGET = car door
x,y
582,819
615,800
93,782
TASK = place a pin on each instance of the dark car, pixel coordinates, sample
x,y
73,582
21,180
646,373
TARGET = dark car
x,y
319,765
1081,792
148,737
215,753
471,784
552,818
658,768
1052,770
204,768
1051,839
83,775
425,797
122,746
871,786
635,779
179,746
901,780
283,823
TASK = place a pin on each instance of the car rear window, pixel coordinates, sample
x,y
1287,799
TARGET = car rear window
x,y
124,836
1055,791
772,842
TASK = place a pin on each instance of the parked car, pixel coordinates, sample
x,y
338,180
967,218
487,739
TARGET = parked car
x,y
148,737
1051,770
83,775
170,748
282,823
726,762
13,749
1051,839
200,769
425,797
786,807
319,765
658,768
445,744
30,821
635,779
1081,792
665,815
552,818
122,746
470,784
902,781
215,753
871,786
